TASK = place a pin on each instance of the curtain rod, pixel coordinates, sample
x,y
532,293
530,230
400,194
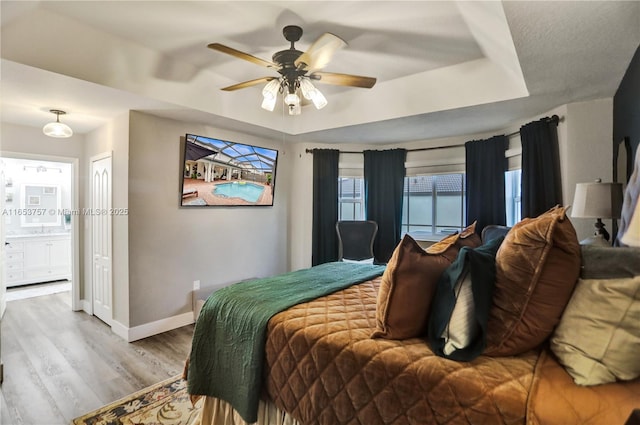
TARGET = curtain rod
x,y
554,119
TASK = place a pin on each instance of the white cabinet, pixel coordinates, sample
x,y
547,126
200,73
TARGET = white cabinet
x,y
14,262
60,254
38,259
36,254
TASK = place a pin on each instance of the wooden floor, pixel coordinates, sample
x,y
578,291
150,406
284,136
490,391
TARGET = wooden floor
x,y
60,364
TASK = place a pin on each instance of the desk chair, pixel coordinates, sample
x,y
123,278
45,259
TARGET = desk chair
x,y
355,240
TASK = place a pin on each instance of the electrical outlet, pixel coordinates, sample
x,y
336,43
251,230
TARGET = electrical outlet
x,y
196,285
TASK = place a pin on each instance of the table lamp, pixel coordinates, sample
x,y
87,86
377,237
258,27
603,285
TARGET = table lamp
x,y
597,200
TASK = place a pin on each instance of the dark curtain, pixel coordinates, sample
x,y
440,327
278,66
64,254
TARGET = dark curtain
x,y
485,168
325,206
541,184
383,185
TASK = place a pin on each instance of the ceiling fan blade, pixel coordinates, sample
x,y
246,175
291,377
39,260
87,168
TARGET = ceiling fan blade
x,y
320,52
249,83
343,79
242,55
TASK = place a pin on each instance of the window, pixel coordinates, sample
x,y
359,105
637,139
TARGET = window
x,y
350,198
512,189
433,205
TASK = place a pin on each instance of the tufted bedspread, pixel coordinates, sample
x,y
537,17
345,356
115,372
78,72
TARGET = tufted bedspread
x,y
323,368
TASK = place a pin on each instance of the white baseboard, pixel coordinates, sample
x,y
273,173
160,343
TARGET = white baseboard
x,y
153,328
121,330
85,305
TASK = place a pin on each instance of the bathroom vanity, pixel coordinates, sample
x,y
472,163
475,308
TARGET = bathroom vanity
x,y
37,258
39,240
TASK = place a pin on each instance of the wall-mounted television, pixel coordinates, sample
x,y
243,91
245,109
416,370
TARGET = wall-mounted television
x,y
225,173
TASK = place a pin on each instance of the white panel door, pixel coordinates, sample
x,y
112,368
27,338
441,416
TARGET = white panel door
x,y
3,269
101,238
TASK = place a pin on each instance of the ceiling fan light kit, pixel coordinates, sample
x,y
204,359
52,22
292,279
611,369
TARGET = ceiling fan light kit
x,y
296,70
310,92
57,129
270,94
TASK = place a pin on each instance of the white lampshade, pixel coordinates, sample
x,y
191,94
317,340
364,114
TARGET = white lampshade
x,y
271,89
270,94
292,99
631,236
56,128
309,91
268,103
597,200
319,101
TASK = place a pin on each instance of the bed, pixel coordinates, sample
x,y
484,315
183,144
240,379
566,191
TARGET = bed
x,y
320,366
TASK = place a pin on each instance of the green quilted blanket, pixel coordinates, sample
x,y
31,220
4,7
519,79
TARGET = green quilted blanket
x,y
227,352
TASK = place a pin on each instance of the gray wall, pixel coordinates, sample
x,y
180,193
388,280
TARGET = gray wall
x,y
113,137
170,247
587,154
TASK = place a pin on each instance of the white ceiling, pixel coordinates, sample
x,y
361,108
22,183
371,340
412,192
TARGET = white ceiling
x,y
443,67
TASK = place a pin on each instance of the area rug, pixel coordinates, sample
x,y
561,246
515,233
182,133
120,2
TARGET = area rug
x,y
165,403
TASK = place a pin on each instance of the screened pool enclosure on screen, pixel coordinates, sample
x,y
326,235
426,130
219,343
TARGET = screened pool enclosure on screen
x,y
224,173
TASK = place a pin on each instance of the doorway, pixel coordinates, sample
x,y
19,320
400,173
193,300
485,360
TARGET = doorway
x,y
42,254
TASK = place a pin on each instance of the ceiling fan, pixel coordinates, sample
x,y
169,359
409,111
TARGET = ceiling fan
x,y
296,70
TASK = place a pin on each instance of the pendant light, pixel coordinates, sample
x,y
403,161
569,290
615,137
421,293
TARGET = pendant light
x,y
57,129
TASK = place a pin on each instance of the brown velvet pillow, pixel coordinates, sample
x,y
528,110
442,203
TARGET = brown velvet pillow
x,y
469,237
537,267
409,283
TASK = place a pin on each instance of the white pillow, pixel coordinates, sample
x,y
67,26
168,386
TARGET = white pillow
x,y
598,337
459,332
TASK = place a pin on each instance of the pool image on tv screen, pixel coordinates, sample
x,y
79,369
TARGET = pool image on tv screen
x,y
224,173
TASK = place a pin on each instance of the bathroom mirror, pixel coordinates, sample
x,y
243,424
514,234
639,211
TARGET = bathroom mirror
x,y
40,205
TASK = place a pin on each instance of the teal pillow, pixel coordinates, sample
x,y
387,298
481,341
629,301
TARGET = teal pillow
x,y
460,307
